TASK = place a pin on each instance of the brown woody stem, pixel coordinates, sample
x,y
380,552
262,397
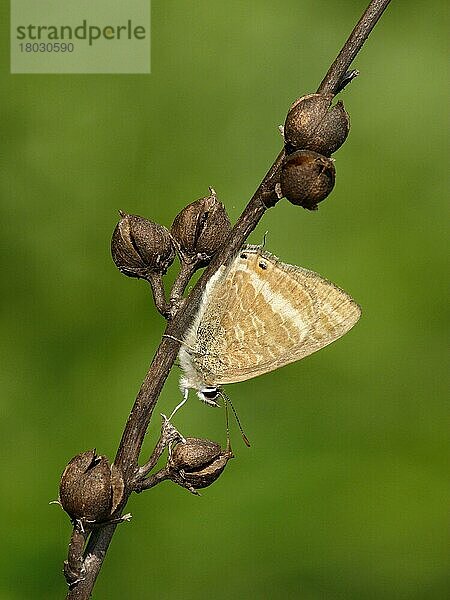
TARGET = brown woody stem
x,y
74,563
331,82
159,295
152,480
180,283
169,435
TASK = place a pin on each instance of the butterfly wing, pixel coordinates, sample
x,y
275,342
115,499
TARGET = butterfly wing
x,y
263,314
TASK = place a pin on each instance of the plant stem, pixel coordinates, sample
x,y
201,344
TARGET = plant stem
x,y
330,83
137,424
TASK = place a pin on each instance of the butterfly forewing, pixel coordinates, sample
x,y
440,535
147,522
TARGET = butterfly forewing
x,y
263,314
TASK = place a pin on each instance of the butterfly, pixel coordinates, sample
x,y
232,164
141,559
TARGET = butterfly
x,y
256,315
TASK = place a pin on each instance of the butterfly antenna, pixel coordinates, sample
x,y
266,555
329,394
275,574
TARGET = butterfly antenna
x,y
228,426
228,401
264,239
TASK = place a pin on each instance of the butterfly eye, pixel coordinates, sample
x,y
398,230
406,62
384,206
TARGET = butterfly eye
x,y
243,255
263,265
210,394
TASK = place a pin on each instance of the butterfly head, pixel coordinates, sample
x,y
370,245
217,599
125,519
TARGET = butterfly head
x,y
207,393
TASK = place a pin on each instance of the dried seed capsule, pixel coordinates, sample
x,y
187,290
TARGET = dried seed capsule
x,y
200,229
140,247
197,463
90,489
307,178
85,487
312,125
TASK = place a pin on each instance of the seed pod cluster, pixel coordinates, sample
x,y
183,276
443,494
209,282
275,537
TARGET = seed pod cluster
x,y
143,249
312,132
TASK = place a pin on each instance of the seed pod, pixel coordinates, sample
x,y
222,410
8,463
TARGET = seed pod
x,y
197,463
200,229
312,125
140,247
307,178
90,490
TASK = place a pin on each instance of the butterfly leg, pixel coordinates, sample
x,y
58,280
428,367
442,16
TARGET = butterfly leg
x,y
178,406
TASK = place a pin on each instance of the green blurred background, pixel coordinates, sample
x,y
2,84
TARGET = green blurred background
x,y
343,494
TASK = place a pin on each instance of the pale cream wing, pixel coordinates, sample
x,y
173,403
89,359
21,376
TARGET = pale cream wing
x,y
265,314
